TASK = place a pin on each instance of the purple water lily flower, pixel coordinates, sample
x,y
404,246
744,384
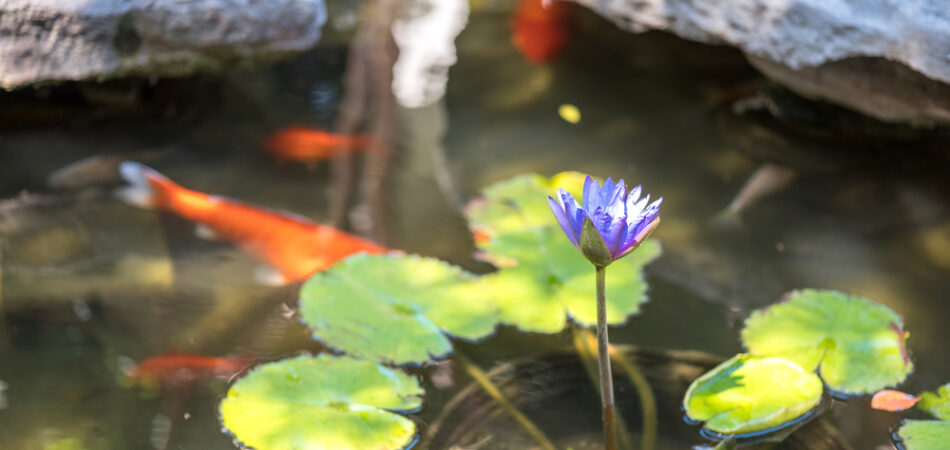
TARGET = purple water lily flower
x,y
611,223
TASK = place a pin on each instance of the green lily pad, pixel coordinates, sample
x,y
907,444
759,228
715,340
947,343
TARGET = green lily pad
x,y
543,278
924,435
397,309
513,204
324,402
857,345
748,393
937,403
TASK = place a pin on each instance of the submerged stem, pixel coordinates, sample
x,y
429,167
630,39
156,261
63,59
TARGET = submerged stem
x,y
489,387
585,343
603,357
647,400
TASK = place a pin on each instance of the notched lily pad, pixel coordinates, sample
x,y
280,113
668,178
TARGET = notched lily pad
x,y
924,435
543,278
748,394
324,402
396,309
857,345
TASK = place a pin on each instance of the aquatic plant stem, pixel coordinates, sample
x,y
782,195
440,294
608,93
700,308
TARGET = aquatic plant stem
x,y
647,400
585,343
603,357
489,387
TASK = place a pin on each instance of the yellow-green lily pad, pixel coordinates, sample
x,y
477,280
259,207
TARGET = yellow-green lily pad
x,y
857,345
324,402
924,435
748,394
937,403
397,309
543,279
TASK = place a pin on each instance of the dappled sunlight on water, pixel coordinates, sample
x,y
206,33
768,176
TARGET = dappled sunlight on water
x,y
145,284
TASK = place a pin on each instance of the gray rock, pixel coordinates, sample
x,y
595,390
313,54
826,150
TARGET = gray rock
x,y
55,40
801,42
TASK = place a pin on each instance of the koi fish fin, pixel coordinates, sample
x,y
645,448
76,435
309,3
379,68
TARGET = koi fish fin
x,y
140,191
205,232
269,276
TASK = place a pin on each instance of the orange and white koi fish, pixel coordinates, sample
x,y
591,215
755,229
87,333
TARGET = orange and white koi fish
x,y
181,369
541,28
293,246
309,145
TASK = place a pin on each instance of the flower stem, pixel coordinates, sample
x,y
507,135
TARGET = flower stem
x,y
585,343
603,357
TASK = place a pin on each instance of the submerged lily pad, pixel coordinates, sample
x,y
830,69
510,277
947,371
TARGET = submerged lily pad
x,y
747,394
937,403
857,345
322,403
543,278
397,309
924,435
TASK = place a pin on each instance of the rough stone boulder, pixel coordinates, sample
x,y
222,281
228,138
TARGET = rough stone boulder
x,y
886,58
55,40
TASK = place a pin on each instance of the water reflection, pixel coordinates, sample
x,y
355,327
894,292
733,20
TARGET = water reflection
x,y
869,219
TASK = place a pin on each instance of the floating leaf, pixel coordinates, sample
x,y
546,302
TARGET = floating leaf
x,y
891,400
322,403
748,393
937,403
924,435
396,308
543,277
513,204
856,344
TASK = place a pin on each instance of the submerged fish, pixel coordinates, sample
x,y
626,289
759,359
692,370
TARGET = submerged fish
x,y
181,369
767,179
541,28
293,246
309,145
98,169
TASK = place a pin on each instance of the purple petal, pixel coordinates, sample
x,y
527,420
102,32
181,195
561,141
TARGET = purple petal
x,y
634,212
642,222
590,186
563,220
634,241
575,214
612,193
614,234
633,196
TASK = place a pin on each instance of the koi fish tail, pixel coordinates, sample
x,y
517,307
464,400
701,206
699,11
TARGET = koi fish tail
x,y
146,189
357,142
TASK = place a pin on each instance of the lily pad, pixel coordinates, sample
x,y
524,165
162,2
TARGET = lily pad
x,y
924,435
325,402
857,345
397,309
937,403
747,394
543,278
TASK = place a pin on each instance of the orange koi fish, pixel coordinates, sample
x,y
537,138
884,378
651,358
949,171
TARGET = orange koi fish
x,y
541,28
180,369
310,146
293,246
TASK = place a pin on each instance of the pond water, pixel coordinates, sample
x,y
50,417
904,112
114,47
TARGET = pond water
x,y
90,285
